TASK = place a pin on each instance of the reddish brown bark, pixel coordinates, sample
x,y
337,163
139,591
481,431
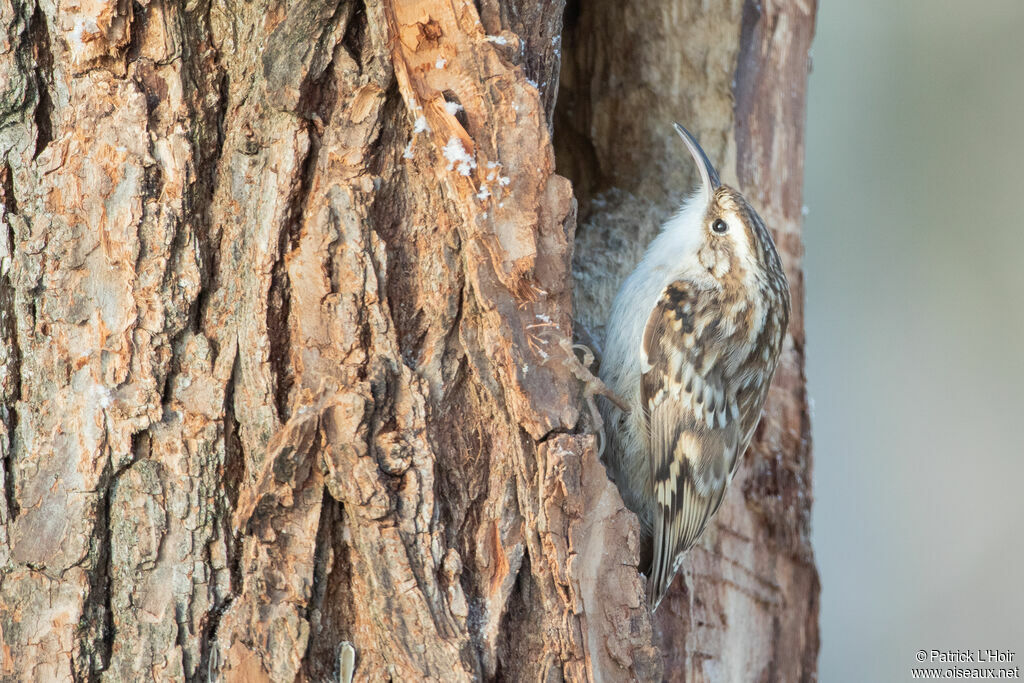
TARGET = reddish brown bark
x,y
286,305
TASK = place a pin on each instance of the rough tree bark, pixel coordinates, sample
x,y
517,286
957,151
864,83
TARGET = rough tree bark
x,y
287,305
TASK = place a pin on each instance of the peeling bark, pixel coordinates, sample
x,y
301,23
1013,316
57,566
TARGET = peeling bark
x,y
287,310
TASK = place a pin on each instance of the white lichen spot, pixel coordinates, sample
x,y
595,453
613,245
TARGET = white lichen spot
x,y
440,63
407,154
484,193
457,156
5,247
452,108
101,396
543,317
84,26
420,125
497,40
504,181
559,452
532,82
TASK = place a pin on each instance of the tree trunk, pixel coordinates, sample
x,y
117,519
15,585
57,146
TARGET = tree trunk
x,y
287,311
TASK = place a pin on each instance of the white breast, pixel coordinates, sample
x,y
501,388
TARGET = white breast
x,y
670,256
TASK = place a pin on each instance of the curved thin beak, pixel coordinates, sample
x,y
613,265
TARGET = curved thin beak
x,y
708,174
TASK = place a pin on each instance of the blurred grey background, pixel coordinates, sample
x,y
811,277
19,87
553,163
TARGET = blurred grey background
x,y
915,323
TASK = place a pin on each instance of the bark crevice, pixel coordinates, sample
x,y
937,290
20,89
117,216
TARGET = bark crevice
x,y
10,389
355,32
233,474
330,610
97,630
39,35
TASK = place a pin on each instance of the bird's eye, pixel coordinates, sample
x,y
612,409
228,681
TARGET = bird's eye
x,y
720,226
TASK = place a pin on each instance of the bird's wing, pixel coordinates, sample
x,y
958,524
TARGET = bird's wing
x,y
693,425
754,378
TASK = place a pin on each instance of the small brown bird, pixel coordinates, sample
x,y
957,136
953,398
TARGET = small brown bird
x,y
693,341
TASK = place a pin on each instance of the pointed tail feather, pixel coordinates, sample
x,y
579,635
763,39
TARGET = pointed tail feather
x,y
676,529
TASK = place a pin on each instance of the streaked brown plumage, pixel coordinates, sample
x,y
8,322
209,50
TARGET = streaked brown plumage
x,y
692,344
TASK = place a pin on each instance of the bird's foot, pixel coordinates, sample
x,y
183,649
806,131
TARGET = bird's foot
x,y
581,370
592,386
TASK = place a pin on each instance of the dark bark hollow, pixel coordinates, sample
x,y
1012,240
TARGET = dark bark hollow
x,y
286,303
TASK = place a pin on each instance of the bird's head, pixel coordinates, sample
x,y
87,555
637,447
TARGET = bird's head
x,y
731,241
